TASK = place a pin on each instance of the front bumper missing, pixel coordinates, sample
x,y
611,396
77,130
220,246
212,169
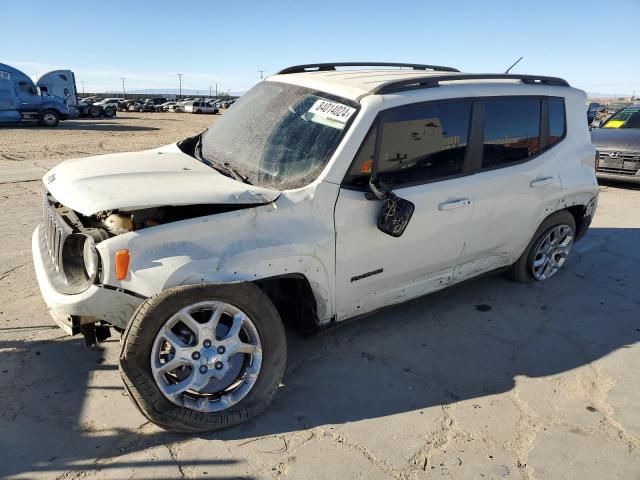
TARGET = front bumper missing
x,y
71,311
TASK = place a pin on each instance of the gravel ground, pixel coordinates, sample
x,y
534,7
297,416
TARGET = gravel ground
x,y
486,380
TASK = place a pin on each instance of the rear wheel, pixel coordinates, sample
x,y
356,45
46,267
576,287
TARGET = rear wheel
x,y
204,357
94,112
109,112
548,250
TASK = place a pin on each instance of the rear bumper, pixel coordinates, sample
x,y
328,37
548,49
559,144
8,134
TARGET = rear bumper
x,y
619,178
98,302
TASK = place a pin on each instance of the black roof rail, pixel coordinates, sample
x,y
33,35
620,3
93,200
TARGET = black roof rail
x,y
434,81
327,67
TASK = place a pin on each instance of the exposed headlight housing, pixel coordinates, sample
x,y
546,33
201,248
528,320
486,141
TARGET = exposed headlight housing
x,y
81,261
90,258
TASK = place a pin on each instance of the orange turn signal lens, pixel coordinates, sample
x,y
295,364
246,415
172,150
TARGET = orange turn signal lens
x,y
122,264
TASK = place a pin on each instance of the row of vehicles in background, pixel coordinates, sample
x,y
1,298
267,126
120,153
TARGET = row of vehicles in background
x,y
47,100
160,104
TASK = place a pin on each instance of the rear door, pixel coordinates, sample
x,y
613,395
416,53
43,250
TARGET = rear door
x,y
422,155
517,182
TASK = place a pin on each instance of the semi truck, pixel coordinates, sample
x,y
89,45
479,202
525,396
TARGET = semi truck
x,y
62,83
22,101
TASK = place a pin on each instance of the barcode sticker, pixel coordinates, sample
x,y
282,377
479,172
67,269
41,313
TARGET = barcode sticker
x,y
332,111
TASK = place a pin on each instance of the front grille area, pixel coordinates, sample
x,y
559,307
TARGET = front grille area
x,y
56,231
619,163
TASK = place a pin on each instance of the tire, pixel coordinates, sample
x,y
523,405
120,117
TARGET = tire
x,y
523,270
94,112
109,112
49,118
144,330
198,111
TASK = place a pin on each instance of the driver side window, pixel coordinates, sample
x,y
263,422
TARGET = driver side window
x,y
419,143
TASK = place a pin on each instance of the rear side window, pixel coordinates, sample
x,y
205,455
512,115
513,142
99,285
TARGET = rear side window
x,y
556,119
511,130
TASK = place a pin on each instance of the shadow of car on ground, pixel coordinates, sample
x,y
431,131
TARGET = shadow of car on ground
x,y
464,342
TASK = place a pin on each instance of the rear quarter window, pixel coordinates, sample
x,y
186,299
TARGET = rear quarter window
x,y
557,121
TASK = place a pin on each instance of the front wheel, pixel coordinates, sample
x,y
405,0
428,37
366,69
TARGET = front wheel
x,y
204,357
548,250
49,118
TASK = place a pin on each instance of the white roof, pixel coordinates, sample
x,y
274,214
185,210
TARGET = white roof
x,y
353,84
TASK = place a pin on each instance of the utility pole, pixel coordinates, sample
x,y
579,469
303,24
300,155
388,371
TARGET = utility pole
x,y
216,89
261,74
209,91
180,79
124,92
82,82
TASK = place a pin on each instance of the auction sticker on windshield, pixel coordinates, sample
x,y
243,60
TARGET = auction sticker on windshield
x,y
332,111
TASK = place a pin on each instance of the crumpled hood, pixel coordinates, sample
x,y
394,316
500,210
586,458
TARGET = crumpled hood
x,y
159,177
616,138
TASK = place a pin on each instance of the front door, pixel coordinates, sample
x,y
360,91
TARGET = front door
x,y
421,155
27,96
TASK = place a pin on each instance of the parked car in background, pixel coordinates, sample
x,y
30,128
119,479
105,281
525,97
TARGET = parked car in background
x,y
618,144
124,105
158,100
199,106
147,106
109,106
135,106
178,107
91,100
164,107
319,197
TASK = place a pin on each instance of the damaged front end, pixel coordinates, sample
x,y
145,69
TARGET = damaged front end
x,y
67,243
91,200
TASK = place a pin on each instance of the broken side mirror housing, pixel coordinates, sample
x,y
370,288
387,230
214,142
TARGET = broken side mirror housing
x,y
395,215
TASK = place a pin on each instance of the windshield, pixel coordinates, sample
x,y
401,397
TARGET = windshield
x,y
278,135
628,117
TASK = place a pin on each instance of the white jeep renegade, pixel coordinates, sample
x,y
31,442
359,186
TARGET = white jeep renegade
x,y
323,194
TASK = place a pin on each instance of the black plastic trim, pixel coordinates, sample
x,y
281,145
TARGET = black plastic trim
x,y
328,67
434,81
122,290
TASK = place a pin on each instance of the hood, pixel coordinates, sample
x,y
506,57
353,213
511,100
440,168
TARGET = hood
x,y
152,178
616,138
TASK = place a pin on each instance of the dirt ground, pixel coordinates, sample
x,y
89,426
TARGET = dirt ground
x,y
487,380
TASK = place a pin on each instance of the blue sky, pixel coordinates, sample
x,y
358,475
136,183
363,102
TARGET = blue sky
x,y
594,45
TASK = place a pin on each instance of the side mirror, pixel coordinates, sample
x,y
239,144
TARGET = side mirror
x,y
395,213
